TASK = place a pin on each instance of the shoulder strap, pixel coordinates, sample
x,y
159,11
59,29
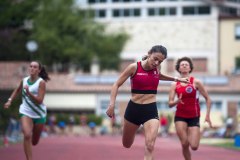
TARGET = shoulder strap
x,y
191,80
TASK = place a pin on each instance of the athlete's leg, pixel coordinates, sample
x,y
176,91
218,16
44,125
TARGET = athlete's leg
x,y
150,130
129,131
27,126
182,132
194,137
37,130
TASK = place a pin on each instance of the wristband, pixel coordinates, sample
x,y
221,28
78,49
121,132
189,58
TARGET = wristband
x,y
175,79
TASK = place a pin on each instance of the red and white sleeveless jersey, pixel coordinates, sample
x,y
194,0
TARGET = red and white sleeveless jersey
x,y
145,82
190,107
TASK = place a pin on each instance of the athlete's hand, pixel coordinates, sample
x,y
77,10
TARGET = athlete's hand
x,y
110,111
26,88
183,80
208,120
7,104
180,99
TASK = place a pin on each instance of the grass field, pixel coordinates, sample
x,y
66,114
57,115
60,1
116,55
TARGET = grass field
x,y
220,142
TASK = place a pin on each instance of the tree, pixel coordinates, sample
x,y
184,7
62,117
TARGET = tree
x,y
13,34
65,34
69,35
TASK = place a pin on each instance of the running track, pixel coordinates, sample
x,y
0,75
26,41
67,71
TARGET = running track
x,y
110,148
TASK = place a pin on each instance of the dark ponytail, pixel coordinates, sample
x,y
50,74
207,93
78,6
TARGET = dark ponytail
x,y
43,73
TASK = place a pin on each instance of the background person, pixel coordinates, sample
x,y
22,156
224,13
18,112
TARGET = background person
x,y
188,109
32,110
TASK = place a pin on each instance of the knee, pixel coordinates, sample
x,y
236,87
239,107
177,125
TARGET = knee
x,y
34,143
185,144
27,136
150,145
194,148
127,145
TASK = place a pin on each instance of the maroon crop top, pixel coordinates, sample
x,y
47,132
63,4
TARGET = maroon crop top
x,y
145,82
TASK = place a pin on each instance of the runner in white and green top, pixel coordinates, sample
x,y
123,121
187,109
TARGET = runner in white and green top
x,y
29,107
32,110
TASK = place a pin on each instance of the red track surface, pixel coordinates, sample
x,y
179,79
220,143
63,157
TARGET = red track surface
x,y
110,148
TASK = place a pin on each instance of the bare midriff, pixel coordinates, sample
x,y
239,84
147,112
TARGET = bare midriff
x,y
143,98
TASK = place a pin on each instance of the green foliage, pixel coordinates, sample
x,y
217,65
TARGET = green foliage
x,y
62,117
90,118
65,34
94,118
69,35
5,114
13,34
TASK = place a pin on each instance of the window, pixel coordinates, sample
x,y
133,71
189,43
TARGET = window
x,y
161,11
96,1
188,10
100,13
151,11
136,12
126,12
172,11
237,32
116,13
194,10
204,10
91,1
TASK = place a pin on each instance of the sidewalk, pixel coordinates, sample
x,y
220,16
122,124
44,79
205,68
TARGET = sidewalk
x,y
110,148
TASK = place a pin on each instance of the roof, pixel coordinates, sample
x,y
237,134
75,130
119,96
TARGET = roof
x,y
12,72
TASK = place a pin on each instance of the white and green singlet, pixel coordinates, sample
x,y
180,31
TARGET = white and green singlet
x,y
28,106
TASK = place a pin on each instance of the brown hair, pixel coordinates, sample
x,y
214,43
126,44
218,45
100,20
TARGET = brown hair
x,y
43,73
156,49
184,59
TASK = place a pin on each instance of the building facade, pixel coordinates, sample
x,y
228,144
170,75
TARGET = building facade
x,y
185,28
229,44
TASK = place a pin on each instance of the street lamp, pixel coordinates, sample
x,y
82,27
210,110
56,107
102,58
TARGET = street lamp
x,y
32,47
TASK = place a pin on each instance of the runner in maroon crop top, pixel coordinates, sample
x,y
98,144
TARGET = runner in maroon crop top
x,y
188,110
142,108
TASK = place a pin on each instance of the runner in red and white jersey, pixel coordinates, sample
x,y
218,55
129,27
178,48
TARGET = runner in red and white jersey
x,y
188,110
142,107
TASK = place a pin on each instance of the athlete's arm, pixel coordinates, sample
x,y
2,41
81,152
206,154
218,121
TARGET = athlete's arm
x,y
41,93
170,78
166,77
13,95
171,101
129,71
204,93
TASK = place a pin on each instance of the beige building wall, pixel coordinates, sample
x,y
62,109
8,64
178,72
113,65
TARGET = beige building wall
x,y
196,38
229,46
68,101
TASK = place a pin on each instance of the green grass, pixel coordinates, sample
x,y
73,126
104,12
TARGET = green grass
x,y
220,142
